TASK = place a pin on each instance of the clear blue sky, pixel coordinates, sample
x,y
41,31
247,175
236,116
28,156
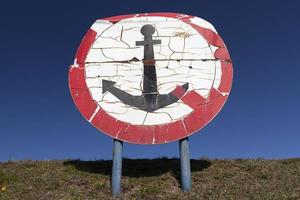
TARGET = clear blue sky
x,y
38,119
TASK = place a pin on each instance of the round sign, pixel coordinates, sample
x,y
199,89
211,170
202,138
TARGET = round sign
x,y
150,78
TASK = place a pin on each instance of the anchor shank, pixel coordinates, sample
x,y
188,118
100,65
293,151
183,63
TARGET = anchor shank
x,y
149,76
148,47
150,81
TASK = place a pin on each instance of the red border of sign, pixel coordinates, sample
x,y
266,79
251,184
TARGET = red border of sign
x,y
204,109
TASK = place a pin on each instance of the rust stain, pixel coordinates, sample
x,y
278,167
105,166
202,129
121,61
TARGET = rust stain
x,y
182,34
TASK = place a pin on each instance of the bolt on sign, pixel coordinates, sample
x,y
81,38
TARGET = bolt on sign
x,y
150,78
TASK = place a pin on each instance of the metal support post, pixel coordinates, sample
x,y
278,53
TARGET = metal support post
x,y
185,167
116,167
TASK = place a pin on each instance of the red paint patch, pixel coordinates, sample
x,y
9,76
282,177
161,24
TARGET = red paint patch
x,y
211,37
222,54
193,123
193,99
178,92
227,75
108,124
148,134
116,19
84,102
85,45
207,111
183,17
159,133
132,133
138,134
175,130
161,14
76,78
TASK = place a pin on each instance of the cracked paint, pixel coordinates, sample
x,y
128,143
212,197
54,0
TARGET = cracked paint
x,y
191,51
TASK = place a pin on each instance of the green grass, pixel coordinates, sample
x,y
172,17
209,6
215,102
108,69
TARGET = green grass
x,y
151,179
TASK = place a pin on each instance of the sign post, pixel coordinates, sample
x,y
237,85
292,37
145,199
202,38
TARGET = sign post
x,y
150,78
116,167
185,167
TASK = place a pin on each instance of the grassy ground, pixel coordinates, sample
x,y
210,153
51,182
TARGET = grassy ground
x,y
151,179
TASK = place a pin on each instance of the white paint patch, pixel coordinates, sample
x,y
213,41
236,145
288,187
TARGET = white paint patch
x,y
183,56
75,63
101,25
218,74
157,118
132,116
203,23
176,110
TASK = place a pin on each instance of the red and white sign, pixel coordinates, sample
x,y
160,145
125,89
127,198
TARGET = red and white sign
x,y
189,83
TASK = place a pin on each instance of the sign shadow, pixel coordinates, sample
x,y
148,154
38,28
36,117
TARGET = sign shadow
x,y
139,167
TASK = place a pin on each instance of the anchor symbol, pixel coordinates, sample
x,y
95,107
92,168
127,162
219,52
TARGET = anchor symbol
x,y
150,100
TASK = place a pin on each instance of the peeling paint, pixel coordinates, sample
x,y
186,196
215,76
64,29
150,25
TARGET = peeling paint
x,y
182,34
190,52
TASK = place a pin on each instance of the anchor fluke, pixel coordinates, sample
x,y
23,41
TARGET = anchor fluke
x,y
106,85
185,86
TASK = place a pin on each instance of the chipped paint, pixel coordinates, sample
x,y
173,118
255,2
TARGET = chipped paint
x,y
182,34
190,52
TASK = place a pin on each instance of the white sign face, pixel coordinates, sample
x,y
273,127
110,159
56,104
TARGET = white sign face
x,y
184,59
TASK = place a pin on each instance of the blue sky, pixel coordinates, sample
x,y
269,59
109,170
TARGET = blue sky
x,y
38,119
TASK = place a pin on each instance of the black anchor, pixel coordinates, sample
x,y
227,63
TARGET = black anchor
x,y
150,100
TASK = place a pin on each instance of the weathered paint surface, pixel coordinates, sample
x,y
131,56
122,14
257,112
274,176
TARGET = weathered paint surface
x,y
190,52
116,168
185,165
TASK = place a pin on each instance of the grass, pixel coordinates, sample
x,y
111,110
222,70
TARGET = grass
x,y
150,179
